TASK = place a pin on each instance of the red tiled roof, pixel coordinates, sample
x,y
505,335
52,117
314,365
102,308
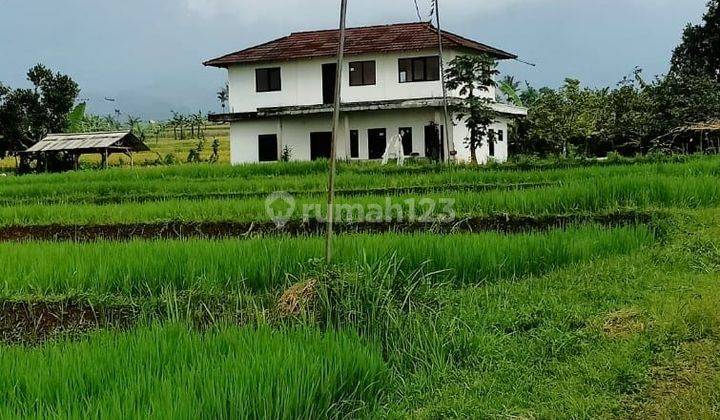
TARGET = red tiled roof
x,y
371,39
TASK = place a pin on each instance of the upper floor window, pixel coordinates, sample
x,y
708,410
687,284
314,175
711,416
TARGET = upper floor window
x,y
362,73
422,69
268,80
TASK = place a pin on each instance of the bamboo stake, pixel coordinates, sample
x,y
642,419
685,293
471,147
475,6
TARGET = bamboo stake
x,y
335,130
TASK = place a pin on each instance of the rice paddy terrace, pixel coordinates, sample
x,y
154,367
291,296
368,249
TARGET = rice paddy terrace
x,y
580,291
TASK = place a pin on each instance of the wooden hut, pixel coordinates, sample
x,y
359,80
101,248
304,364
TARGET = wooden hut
x,y
72,146
700,137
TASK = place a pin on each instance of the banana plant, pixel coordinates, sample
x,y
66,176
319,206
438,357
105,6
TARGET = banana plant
x,y
509,87
76,118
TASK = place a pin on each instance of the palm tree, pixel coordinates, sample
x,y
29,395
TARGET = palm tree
x,y
224,96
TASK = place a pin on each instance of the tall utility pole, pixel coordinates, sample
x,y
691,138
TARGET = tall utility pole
x,y
335,131
448,144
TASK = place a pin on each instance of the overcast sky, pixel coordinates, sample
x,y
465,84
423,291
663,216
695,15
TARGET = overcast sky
x,y
147,54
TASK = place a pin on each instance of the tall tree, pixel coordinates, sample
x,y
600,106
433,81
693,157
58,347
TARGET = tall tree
x,y
223,96
559,118
27,115
699,52
470,76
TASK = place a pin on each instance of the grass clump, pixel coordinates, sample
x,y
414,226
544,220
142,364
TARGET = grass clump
x,y
172,372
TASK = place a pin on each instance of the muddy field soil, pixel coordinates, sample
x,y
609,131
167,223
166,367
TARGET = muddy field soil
x,y
32,323
219,230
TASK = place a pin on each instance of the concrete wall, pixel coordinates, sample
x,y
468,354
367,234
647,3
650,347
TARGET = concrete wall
x,y
302,82
295,132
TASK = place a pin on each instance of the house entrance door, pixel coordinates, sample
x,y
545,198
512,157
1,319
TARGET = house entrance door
x,y
377,143
434,136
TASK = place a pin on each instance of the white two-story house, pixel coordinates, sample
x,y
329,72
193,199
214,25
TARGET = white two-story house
x,y
281,96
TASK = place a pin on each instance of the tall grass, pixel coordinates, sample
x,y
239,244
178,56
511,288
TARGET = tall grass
x,y
142,268
171,372
603,194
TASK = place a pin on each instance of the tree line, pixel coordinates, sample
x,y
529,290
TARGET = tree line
x,y
633,117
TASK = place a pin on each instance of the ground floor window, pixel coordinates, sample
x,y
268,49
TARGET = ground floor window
x,y
354,144
377,143
407,140
320,145
268,147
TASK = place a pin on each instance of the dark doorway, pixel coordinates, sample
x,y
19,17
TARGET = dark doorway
x,y
320,145
491,142
329,73
377,143
354,144
407,140
268,148
434,136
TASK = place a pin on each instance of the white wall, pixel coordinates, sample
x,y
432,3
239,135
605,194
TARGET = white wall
x,y
295,132
461,133
302,82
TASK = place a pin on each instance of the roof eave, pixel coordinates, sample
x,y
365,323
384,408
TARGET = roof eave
x,y
499,54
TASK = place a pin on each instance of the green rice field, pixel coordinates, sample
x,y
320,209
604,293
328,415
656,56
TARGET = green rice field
x,y
599,316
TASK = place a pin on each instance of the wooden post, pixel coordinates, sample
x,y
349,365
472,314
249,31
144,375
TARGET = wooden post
x,y
335,130
448,148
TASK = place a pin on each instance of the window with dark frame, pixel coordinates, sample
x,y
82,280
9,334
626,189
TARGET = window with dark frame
x,y
354,144
363,73
421,69
407,140
268,80
268,148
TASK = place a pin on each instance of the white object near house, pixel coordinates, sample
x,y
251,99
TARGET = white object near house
x,y
395,150
281,94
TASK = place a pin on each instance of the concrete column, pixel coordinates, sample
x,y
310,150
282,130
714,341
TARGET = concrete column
x,y
281,141
343,146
